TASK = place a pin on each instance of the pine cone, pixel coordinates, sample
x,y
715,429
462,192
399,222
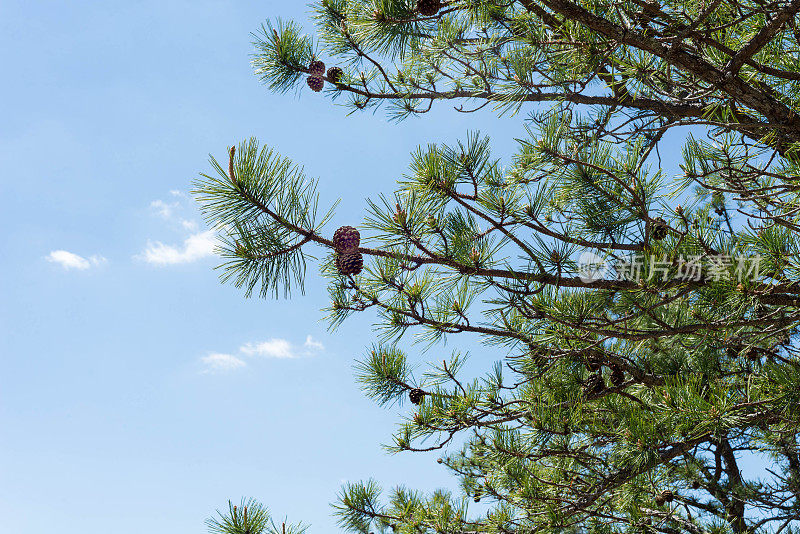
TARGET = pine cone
x,y
316,83
335,74
659,230
667,496
416,395
594,385
617,376
349,263
593,363
346,239
695,484
428,8
316,68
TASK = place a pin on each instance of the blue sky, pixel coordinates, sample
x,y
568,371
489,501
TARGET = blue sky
x,y
136,391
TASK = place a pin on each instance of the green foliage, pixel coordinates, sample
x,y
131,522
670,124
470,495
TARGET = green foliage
x,y
249,517
260,210
627,403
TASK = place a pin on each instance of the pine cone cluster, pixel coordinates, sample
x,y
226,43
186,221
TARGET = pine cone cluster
x,y
346,239
428,8
348,260
316,70
316,73
416,395
348,263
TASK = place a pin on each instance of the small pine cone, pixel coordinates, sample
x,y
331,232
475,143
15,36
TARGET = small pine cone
x,y
695,484
439,461
594,364
316,68
667,495
316,83
428,8
416,395
346,239
349,263
659,230
594,385
335,74
659,500
617,376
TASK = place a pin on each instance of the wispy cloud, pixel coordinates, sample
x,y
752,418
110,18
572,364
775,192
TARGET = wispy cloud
x,y
164,209
276,348
189,225
313,344
282,348
272,348
195,247
69,260
220,363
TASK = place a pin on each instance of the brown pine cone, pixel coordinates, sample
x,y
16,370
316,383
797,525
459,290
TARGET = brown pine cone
x,y
316,68
315,83
346,239
428,8
659,230
349,263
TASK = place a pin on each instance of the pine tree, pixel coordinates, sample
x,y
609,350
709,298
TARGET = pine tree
x,y
625,401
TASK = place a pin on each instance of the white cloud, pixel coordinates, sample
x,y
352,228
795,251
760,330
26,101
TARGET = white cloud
x,y
218,363
189,225
313,344
272,348
195,247
68,260
177,193
281,348
163,209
